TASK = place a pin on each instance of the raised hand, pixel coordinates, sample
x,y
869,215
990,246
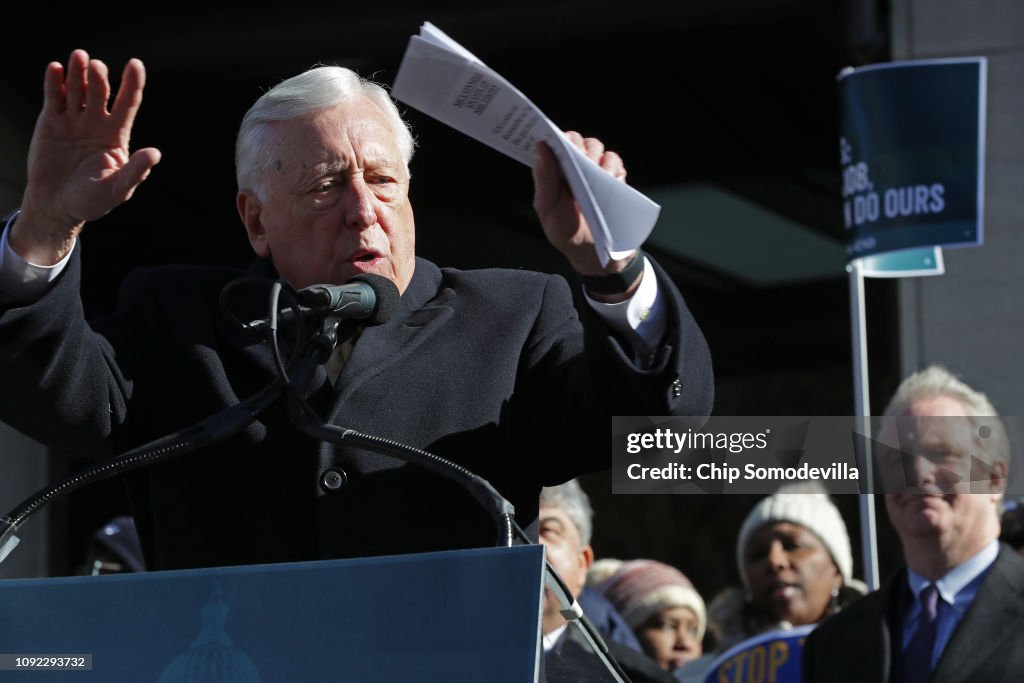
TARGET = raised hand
x,y
79,164
563,222
560,216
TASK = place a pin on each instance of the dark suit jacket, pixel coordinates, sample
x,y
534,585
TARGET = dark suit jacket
x,y
572,660
489,368
863,642
606,619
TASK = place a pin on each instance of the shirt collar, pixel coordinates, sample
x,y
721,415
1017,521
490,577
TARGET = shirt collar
x,y
959,577
551,638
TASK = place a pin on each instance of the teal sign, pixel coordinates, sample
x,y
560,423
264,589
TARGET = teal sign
x,y
911,146
904,263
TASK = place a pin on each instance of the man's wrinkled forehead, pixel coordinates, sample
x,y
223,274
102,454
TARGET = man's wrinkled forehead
x,y
324,143
923,434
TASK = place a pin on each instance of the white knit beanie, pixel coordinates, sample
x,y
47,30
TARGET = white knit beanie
x,y
806,504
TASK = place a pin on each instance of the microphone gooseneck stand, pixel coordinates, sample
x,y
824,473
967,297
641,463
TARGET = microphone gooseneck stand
x,y
291,379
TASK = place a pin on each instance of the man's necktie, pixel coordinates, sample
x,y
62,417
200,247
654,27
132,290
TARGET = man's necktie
x,y
338,359
917,658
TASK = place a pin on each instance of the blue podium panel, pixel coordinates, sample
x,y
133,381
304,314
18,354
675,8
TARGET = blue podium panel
x,y
468,615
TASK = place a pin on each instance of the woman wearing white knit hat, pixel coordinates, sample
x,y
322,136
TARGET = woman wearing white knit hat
x,y
794,558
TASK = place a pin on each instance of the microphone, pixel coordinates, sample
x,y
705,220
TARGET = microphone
x,y
367,297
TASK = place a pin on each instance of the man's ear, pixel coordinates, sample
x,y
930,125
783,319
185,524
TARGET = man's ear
x,y
588,555
997,481
251,211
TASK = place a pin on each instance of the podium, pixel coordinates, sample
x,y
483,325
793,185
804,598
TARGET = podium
x,y
466,615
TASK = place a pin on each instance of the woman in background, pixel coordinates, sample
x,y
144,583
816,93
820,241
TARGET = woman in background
x,y
659,603
794,558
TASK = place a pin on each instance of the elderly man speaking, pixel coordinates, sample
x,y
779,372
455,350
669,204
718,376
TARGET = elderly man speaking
x,y
493,369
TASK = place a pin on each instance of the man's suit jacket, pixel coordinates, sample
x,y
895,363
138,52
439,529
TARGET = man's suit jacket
x,y
489,368
572,660
863,642
606,619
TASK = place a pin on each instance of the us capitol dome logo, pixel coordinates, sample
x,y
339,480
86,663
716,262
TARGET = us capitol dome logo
x,y
211,658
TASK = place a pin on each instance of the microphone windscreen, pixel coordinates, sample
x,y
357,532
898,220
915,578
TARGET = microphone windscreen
x,y
385,294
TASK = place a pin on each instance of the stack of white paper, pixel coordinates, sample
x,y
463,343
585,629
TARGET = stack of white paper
x,y
444,80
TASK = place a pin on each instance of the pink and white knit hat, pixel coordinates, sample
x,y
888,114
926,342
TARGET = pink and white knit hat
x,y
640,588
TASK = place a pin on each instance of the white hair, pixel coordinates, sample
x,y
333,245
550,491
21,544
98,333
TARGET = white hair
x,y
318,88
571,498
936,380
